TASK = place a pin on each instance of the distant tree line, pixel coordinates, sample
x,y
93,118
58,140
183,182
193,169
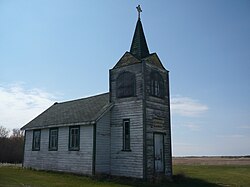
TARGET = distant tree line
x,y
11,146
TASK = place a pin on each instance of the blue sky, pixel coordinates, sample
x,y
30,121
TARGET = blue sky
x,y
62,49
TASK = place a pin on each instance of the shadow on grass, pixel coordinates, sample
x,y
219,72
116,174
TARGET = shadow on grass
x,y
179,180
182,180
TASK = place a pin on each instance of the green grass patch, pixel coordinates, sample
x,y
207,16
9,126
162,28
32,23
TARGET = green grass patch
x,y
16,176
220,175
184,175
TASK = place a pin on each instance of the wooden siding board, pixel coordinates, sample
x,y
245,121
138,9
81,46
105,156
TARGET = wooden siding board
x,y
62,159
157,120
103,145
127,163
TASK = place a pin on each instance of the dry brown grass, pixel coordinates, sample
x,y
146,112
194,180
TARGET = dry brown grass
x,y
242,161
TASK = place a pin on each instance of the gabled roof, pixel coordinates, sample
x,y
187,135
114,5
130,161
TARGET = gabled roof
x,y
139,46
129,59
139,51
80,111
126,59
154,60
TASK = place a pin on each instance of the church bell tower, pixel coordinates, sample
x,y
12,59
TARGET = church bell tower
x,y
140,117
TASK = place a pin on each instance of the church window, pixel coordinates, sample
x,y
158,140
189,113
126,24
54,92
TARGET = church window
x,y
74,138
156,85
126,135
36,140
125,85
53,139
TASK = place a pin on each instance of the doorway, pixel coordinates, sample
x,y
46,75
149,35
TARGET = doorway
x,y
159,152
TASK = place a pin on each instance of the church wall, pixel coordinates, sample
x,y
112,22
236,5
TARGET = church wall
x,y
136,69
157,121
103,145
127,163
62,159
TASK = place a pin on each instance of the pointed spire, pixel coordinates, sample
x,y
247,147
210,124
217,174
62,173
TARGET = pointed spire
x,y
139,46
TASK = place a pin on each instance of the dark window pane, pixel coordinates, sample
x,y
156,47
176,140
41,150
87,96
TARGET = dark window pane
x,y
74,138
36,140
126,134
53,144
156,85
125,85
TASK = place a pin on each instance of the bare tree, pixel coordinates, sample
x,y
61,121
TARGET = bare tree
x,y
17,133
11,147
4,132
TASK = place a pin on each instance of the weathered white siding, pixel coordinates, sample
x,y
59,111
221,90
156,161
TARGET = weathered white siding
x,y
148,115
62,159
103,145
157,121
127,163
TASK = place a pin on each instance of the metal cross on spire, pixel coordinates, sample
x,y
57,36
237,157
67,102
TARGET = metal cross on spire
x,y
139,11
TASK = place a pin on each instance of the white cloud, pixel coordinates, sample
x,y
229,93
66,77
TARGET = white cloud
x,y
19,105
192,126
228,145
245,127
188,149
232,144
185,106
231,136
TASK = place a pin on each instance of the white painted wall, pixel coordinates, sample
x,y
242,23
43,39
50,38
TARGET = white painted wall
x,y
103,144
62,159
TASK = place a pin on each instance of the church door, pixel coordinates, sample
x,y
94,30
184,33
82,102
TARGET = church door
x,y
158,153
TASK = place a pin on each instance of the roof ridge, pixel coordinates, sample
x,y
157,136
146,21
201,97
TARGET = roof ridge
x,y
87,97
71,112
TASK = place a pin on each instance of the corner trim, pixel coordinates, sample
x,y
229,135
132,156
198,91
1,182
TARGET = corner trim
x,y
94,150
144,123
169,123
24,142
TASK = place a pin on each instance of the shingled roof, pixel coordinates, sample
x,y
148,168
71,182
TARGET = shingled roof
x,y
139,47
80,111
139,51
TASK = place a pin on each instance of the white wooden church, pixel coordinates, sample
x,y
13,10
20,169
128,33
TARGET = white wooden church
x,y
125,132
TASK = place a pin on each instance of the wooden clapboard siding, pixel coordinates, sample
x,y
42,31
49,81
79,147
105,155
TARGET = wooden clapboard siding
x,y
62,159
103,145
157,120
114,73
127,163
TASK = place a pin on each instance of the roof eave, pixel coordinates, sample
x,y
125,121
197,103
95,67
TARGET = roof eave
x,y
61,125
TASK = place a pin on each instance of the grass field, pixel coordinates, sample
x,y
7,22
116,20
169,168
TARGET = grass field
x,y
184,175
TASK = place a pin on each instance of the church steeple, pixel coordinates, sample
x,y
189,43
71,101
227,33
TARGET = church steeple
x,y
139,46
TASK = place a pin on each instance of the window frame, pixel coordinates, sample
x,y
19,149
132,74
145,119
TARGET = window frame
x,y
55,148
75,147
157,88
126,140
35,146
126,85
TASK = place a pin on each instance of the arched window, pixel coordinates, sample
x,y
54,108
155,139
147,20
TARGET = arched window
x,y
156,85
125,85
